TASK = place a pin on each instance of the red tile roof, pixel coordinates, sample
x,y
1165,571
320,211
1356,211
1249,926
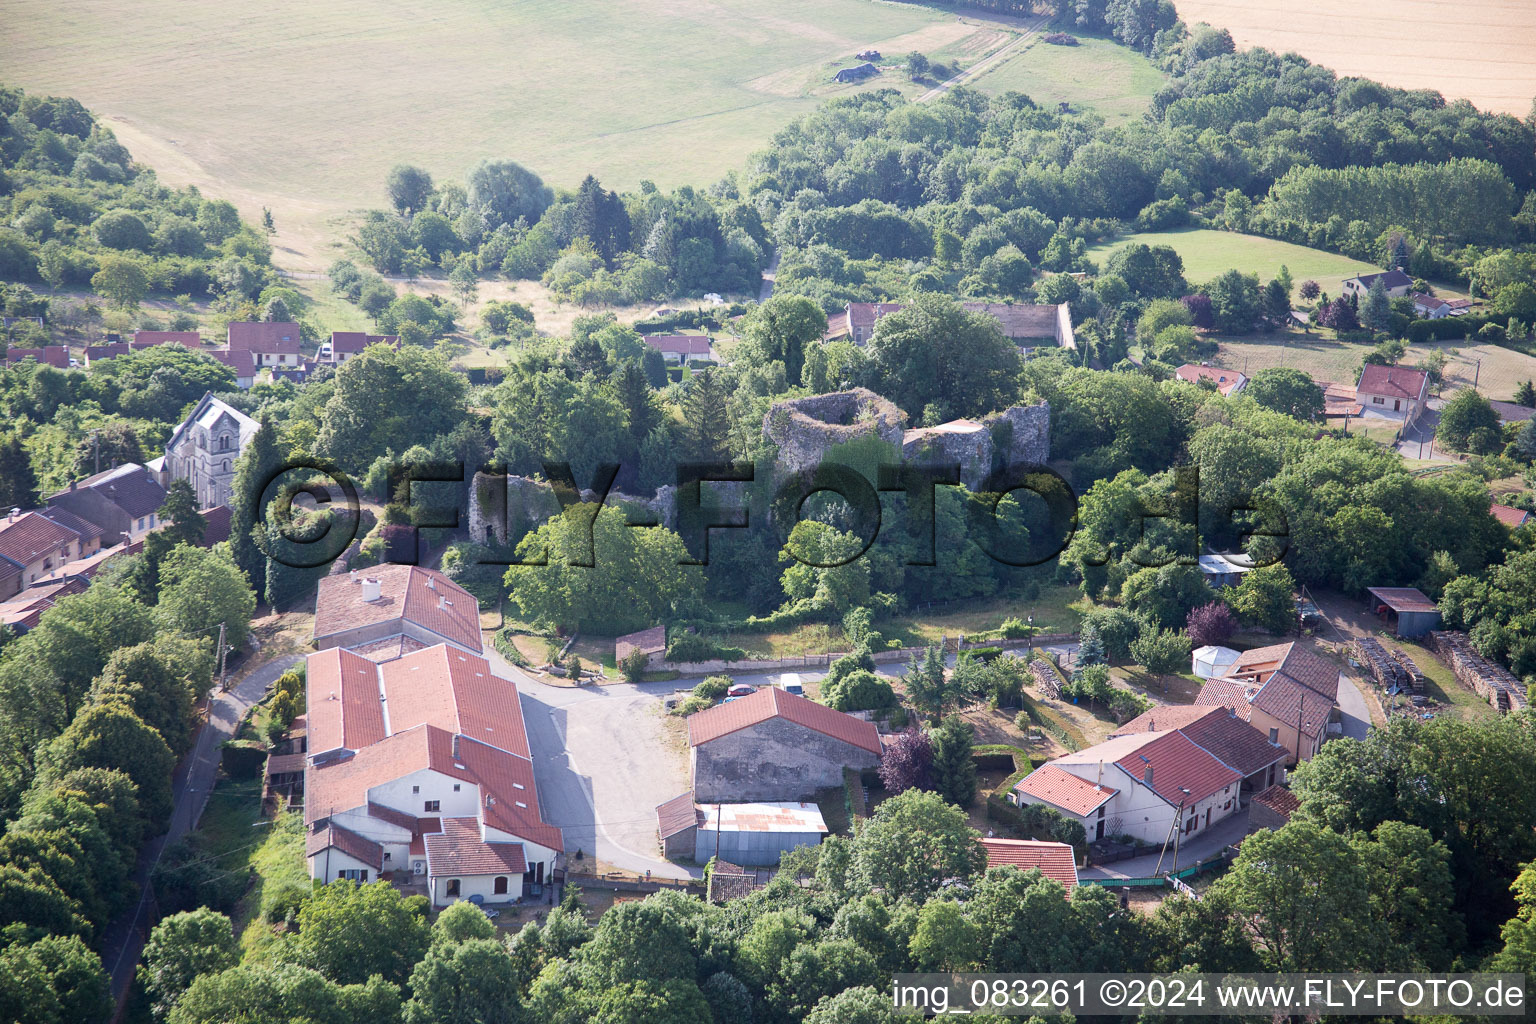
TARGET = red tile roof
x,y
109,351
1280,800
1403,599
680,344
348,842
1177,765
1292,660
342,701
407,593
864,314
1233,742
1392,382
1161,719
676,815
647,641
1226,381
56,356
1513,518
458,692
242,362
277,337
459,850
25,609
1062,789
1054,860
216,520
31,536
773,702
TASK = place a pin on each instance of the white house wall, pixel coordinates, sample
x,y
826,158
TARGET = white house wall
x,y
328,865
432,786
475,885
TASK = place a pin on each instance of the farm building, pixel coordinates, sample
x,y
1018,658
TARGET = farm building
x,y
1228,738
1395,282
856,74
677,824
1413,613
1512,412
774,745
1211,662
1055,861
650,642
1284,690
1273,808
754,835
394,610
1430,307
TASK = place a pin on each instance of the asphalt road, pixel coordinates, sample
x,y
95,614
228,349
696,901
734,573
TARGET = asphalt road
x,y
1356,716
124,938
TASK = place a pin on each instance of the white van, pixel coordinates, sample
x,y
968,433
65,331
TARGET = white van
x,y
789,682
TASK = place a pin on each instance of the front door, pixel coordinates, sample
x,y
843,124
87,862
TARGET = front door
x,y
1207,817
1098,832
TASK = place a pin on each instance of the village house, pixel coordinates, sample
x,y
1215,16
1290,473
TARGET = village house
x,y
1224,570
420,766
1397,284
1285,691
56,356
23,611
346,345
1219,731
1141,784
389,611
650,642
31,546
1228,382
684,349
1055,861
1430,307
123,502
775,745
204,448
270,344
1511,412
1395,392
858,320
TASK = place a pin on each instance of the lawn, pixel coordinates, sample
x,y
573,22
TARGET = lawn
x,y
1496,370
1440,683
1116,81
304,107
1208,253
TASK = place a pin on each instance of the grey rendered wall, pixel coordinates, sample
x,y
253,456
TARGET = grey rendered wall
x,y
774,760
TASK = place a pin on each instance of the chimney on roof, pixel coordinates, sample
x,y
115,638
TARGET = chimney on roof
x,y
14,513
1146,775
1274,736
72,485
372,588
352,575
431,582
443,604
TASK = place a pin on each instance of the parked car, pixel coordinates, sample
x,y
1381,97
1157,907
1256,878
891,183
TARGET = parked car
x,y
741,690
789,682
729,699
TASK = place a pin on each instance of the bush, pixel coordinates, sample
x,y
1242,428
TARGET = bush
x,y
1015,629
243,759
713,687
634,665
691,705
688,647
284,901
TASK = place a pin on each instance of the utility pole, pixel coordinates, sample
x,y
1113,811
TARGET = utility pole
x,y
96,445
1179,835
719,811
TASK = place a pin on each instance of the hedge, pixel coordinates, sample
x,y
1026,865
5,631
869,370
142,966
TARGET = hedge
x,y
243,759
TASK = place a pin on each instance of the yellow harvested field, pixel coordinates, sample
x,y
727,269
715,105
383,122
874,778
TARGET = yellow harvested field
x,y
1497,371
1479,50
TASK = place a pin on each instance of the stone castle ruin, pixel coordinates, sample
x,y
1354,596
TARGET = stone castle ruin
x,y
502,506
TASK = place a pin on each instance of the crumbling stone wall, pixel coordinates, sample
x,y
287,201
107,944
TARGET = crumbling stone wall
x,y
805,428
1026,440
971,449
503,507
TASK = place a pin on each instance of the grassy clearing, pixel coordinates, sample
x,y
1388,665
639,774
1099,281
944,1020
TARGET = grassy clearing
x,y
1440,683
278,861
1497,371
1116,81
1208,253
304,108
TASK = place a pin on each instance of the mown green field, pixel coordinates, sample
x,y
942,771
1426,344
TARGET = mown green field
x,y
303,107
1116,81
1497,371
1209,253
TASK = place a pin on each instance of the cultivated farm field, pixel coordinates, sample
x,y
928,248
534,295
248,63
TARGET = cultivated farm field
x,y
1497,371
1479,50
1208,253
304,107
1114,80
